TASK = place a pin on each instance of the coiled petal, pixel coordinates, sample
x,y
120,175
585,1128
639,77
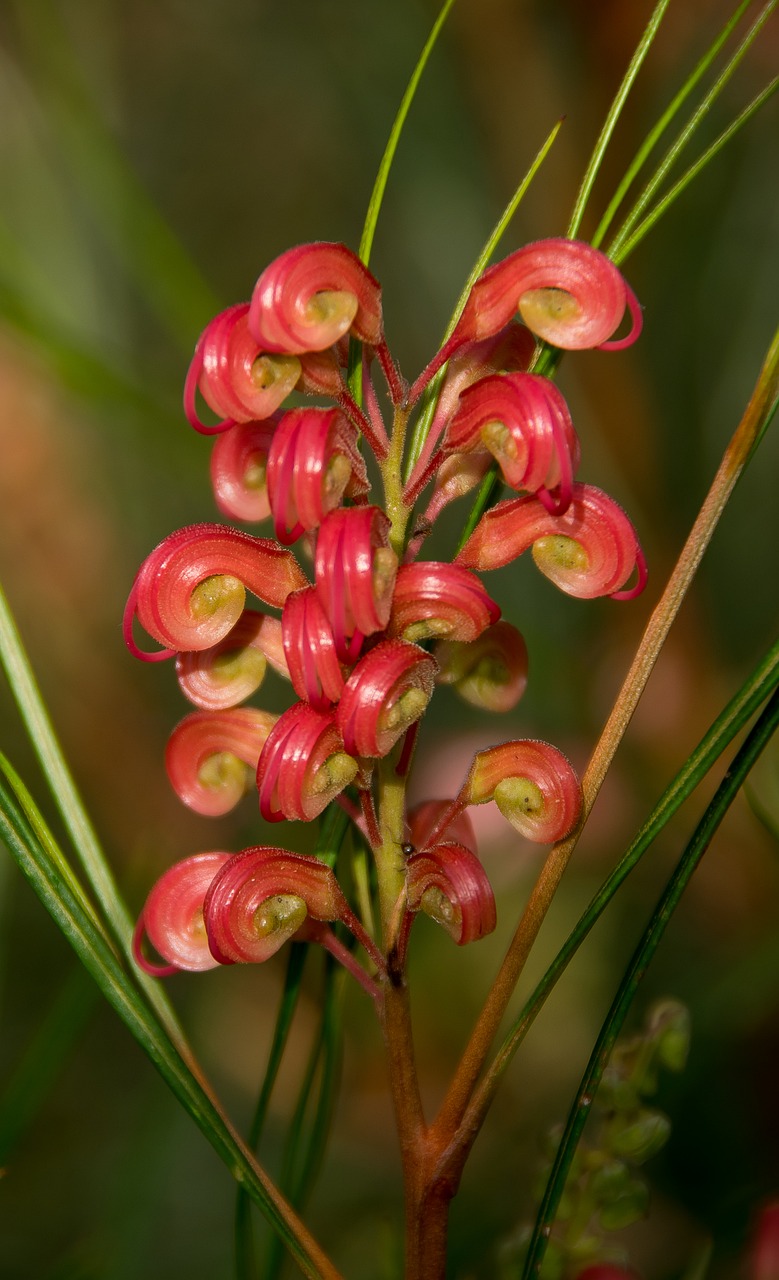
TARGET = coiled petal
x,y
313,461
438,599
303,765
235,376
190,592
355,575
533,784
311,296
211,756
262,897
172,917
491,672
223,676
590,550
387,692
449,884
239,461
314,668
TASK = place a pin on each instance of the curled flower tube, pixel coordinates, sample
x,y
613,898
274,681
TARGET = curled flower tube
x,y
566,292
450,885
523,421
590,550
211,757
262,897
231,670
533,784
309,646
438,599
172,917
235,376
311,296
355,575
386,693
491,672
313,461
239,461
423,822
303,765
190,592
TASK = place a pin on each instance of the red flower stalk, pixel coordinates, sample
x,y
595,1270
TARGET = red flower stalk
x,y
590,550
236,377
423,821
189,593
437,599
309,646
231,670
532,783
450,885
303,765
239,461
313,462
355,575
211,757
311,296
172,917
491,672
524,422
262,897
567,293
387,692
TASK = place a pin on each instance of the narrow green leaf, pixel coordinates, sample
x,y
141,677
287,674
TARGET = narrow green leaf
x,y
726,793
588,181
126,1000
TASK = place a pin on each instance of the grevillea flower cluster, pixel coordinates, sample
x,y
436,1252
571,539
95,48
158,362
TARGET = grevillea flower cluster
x,y
362,626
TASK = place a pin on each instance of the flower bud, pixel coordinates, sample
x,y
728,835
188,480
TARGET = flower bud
x,y
386,692
236,377
224,675
262,897
172,917
239,462
638,1136
450,885
303,765
533,785
435,599
669,1026
311,296
355,575
313,461
211,757
491,672
310,650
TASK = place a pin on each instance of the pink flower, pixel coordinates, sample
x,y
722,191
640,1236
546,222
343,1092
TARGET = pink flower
x,y
311,296
231,670
533,785
239,461
313,462
491,672
172,917
211,756
310,650
386,693
434,599
355,575
449,884
303,765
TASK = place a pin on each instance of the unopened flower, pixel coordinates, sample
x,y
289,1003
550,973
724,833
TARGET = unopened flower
x,y
239,462
310,650
450,885
227,673
434,599
533,785
355,575
211,756
303,765
491,672
172,917
385,694
313,462
311,296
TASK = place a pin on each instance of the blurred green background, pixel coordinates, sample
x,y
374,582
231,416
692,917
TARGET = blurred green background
x,y
154,156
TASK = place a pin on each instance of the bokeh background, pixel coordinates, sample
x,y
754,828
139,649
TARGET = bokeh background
x,y
154,156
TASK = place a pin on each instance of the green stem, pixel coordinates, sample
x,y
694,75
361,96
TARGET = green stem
x,y
642,956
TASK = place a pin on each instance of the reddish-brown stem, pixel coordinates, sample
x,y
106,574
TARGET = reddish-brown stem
x,y
327,939
370,819
396,384
420,476
429,372
374,432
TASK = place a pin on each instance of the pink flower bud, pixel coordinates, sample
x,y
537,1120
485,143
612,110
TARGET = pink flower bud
x,y
189,593
231,670
524,422
590,550
533,785
567,293
303,765
423,821
211,757
172,917
355,575
438,599
491,672
239,461
313,461
387,692
311,296
314,668
449,884
262,897
765,1244
235,376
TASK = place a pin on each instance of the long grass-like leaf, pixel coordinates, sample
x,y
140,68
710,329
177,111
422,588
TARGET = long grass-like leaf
x,y
122,994
637,967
